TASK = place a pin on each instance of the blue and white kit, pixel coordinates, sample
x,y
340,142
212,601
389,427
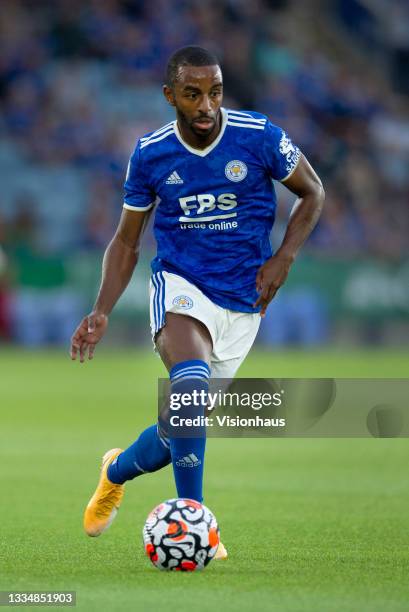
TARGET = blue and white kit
x,y
214,209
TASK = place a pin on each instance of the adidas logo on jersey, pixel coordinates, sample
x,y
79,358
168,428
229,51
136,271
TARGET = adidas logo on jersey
x,y
174,179
189,461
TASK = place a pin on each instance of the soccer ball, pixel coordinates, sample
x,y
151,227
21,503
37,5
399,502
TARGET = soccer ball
x,y
181,534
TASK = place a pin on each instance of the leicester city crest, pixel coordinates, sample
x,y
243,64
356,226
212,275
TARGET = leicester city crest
x,y
236,170
183,301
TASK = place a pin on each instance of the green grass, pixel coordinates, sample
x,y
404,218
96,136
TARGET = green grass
x,y
310,524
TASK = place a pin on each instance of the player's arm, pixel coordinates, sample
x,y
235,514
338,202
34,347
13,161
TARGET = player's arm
x,y
118,264
306,184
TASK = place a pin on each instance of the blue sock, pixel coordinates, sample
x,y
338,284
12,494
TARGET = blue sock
x,y
149,453
188,452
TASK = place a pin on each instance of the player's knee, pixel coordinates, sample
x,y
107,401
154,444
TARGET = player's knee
x,y
196,340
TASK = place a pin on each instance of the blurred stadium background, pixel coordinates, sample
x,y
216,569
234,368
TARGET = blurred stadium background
x,y
81,81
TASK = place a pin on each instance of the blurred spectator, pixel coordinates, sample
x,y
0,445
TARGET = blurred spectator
x,y
381,25
44,309
295,317
100,221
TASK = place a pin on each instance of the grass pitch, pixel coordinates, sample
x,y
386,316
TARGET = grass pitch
x,y
310,524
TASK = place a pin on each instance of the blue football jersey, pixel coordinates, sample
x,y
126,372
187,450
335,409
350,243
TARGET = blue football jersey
x,y
214,207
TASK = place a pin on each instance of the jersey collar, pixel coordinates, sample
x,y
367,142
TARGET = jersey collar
x,y
203,152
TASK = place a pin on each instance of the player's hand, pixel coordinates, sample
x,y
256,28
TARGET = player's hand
x,y
270,277
88,333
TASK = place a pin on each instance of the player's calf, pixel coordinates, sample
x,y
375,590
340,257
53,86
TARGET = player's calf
x,y
187,433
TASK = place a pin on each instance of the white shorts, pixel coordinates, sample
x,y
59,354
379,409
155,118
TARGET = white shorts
x,y
232,333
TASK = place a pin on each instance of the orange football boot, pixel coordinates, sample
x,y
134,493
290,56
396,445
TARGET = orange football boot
x,y
221,553
103,506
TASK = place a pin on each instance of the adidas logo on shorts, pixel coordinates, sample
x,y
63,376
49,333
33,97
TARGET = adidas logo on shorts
x,y
189,461
174,179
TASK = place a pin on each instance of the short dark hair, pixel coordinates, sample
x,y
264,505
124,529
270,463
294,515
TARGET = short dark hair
x,y
188,56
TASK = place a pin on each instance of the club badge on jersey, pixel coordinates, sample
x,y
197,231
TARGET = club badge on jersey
x,y
236,170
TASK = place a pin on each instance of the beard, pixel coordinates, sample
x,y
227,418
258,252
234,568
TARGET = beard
x,y
203,126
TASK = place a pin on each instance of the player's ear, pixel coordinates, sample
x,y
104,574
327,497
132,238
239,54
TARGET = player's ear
x,y
168,93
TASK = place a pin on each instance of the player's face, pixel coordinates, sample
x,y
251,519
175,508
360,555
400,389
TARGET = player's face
x,y
197,96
